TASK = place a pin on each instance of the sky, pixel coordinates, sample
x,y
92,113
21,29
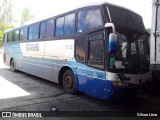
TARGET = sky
x,y
42,8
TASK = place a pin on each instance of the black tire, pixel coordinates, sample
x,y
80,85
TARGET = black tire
x,y
155,82
69,82
12,66
154,85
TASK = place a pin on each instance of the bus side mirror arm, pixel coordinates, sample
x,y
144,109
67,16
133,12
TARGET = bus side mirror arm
x,y
110,25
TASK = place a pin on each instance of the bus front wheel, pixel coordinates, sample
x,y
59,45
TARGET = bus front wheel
x,y
69,83
13,69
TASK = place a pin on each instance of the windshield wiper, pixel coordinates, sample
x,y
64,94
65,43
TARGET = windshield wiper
x,y
124,48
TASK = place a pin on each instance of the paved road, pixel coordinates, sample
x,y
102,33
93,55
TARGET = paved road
x,y
23,92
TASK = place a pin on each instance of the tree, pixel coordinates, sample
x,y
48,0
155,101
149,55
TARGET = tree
x,y
26,16
6,13
6,18
3,28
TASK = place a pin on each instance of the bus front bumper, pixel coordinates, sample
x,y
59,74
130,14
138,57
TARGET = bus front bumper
x,y
122,92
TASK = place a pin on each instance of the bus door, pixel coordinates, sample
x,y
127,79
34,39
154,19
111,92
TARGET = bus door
x,y
95,60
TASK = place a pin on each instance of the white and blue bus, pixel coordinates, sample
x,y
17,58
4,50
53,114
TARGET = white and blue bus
x,y
100,50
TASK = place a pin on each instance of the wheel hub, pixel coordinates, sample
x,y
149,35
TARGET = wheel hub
x,y
69,81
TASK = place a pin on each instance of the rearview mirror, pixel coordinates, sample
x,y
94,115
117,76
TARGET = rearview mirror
x,y
113,42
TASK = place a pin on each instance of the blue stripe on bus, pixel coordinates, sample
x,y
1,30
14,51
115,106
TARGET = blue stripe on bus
x,y
98,86
90,80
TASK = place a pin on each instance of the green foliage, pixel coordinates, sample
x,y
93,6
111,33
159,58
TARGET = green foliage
x,y
1,43
7,19
3,28
26,16
6,12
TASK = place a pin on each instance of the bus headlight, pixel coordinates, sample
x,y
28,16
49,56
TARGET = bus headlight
x,y
119,83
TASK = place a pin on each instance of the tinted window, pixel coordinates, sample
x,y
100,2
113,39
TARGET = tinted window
x,y
5,38
49,29
80,49
89,19
16,35
33,32
143,51
23,33
30,33
133,48
143,45
126,18
9,37
43,30
69,24
95,55
59,26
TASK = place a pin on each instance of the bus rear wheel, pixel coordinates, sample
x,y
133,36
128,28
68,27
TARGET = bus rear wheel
x,y
12,66
69,83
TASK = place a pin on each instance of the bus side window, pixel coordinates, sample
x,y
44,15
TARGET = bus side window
x,y
89,19
96,50
33,32
59,26
42,30
16,35
9,36
49,28
5,38
80,49
69,25
30,36
23,33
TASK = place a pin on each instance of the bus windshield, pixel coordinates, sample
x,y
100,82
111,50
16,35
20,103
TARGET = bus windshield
x,y
133,51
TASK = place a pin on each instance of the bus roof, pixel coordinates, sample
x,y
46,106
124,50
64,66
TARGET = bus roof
x,y
76,8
